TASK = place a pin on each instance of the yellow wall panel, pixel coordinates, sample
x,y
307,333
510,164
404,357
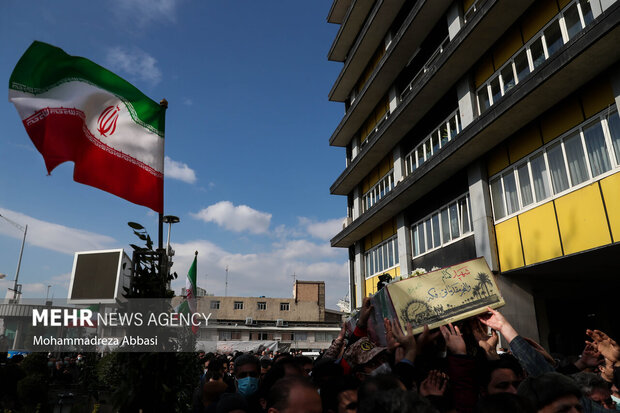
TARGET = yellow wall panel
x,y
539,234
560,118
483,70
371,285
365,186
611,193
596,96
524,142
385,166
509,245
507,46
537,16
367,242
582,220
497,160
563,3
388,230
467,4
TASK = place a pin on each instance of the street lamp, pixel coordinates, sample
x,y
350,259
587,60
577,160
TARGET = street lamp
x,y
170,219
17,288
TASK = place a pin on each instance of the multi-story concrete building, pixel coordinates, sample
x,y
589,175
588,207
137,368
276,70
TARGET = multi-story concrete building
x,y
301,322
485,128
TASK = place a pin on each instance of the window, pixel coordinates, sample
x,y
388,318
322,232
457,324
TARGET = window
x,y
259,335
441,135
214,305
575,158
284,306
288,336
320,336
301,336
262,305
381,257
563,27
228,335
238,305
448,223
378,191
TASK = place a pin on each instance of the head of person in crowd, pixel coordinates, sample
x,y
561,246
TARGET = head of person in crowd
x,y
501,376
265,365
325,370
504,403
293,394
247,372
366,358
377,384
305,363
232,403
395,401
552,393
595,388
339,395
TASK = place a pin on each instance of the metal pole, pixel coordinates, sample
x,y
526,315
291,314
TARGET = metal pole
x,y
226,288
19,263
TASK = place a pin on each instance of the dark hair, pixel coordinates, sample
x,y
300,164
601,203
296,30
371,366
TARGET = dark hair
x,y
588,382
325,369
332,388
264,363
378,383
546,388
505,403
395,401
506,361
246,359
279,393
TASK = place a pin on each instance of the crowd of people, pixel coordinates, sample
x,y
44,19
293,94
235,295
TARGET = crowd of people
x,y
457,368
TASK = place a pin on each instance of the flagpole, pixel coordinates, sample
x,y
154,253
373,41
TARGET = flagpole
x,y
160,236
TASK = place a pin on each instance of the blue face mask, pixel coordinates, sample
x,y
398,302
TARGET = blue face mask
x,y
247,386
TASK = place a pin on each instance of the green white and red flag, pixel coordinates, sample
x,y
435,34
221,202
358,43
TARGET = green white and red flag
x,y
189,305
75,110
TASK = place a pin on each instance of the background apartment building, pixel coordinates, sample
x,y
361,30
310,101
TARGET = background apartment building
x,y
301,322
485,128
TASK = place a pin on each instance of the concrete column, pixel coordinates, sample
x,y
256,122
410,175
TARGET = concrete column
x,y
520,309
403,235
455,19
615,83
355,147
357,203
597,7
481,214
358,290
393,98
399,165
604,4
466,95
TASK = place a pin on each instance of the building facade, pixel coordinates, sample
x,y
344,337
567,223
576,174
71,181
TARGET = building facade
x,y
301,322
485,128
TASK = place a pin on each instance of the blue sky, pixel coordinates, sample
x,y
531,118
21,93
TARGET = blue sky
x,y
248,165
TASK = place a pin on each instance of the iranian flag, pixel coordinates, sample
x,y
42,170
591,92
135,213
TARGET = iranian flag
x,y
188,306
75,110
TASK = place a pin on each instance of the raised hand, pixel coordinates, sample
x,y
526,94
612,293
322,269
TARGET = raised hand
x,y
454,339
590,357
605,345
407,342
425,338
490,346
434,384
365,311
497,322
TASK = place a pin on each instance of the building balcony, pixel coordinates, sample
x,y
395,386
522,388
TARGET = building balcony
x,y
349,28
422,18
586,55
338,11
454,61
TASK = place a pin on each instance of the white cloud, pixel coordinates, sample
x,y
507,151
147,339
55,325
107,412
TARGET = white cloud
x,y
147,11
324,230
269,273
54,237
135,64
235,218
178,170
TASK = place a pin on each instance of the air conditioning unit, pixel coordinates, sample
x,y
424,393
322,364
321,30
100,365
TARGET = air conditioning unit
x,y
279,322
249,321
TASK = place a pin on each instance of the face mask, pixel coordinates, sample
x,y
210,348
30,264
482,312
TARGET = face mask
x,y
247,386
382,369
617,400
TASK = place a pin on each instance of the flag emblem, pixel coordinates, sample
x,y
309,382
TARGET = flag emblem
x,y
106,124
